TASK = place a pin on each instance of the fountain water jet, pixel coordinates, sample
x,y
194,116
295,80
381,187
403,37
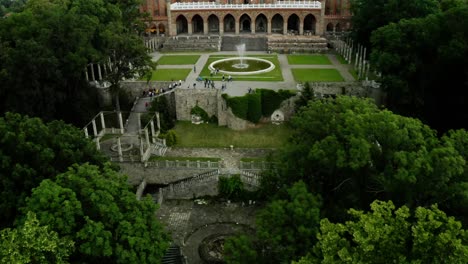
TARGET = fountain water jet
x,y
241,51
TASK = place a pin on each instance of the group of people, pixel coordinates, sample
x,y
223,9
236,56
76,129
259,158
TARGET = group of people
x,y
155,91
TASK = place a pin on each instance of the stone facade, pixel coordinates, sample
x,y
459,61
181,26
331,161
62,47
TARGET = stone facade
x,y
175,17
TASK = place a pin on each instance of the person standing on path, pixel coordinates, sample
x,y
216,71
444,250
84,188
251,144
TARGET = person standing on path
x,y
194,69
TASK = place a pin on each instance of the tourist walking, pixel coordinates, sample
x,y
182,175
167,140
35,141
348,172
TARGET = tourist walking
x,y
194,69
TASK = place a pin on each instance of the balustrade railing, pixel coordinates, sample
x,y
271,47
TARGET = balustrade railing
x,y
278,5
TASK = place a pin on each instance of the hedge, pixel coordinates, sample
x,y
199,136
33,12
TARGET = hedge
x,y
271,100
254,111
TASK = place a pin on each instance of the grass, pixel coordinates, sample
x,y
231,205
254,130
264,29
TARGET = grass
x,y
109,136
317,75
309,59
353,73
211,135
156,158
178,59
170,74
273,76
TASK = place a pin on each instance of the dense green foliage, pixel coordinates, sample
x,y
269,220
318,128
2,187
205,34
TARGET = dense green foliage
x,y
231,187
271,100
369,15
196,110
419,57
166,116
170,136
32,243
386,235
239,250
10,6
97,209
45,48
33,151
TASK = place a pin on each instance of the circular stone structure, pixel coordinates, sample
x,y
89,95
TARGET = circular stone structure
x,y
243,70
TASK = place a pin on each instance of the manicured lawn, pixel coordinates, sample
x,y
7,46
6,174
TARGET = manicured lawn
x,y
317,75
210,135
178,59
274,75
341,59
353,73
170,74
309,59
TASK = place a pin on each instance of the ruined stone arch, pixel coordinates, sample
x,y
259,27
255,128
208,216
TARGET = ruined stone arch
x,y
293,23
338,27
181,24
261,23
213,23
330,27
229,24
245,23
161,28
310,24
277,22
197,24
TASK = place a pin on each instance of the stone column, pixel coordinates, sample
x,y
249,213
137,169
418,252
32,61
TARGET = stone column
x,y
190,29
153,134
158,122
92,72
285,27
205,27
86,74
86,132
237,26
94,127
301,27
98,146
171,29
221,28
139,121
252,26
119,149
147,138
119,114
269,27
103,123
99,71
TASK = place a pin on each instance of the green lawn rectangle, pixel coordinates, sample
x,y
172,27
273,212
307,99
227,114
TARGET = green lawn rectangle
x,y
309,59
170,74
273,76
317,75
178,59
212,135
341,59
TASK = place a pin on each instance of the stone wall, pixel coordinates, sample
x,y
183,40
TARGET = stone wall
x,y
186,99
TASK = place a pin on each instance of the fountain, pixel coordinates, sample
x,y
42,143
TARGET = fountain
x,y
238,65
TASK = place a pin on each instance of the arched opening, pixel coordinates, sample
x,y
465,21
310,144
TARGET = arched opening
x,y
338,27
161,28
229,24
197,24
261,24
213,24
309,25
153,29
293,24
181,25
277,24
329,27
245,23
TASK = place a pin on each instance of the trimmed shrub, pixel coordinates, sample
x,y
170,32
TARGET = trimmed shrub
x,y
231,187
170,136
254,111
271,100
238,105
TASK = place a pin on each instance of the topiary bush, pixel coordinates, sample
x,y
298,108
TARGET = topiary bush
x,y
171,138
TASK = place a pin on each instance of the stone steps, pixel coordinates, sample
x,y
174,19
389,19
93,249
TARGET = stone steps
x,y
297,44
192,43
252,43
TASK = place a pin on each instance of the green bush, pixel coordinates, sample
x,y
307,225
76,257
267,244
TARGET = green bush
x,y
239,106
170,136
231,187
196,110
166,116
254,110
271,100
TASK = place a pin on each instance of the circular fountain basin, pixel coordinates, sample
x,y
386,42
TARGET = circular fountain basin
x,y
237,68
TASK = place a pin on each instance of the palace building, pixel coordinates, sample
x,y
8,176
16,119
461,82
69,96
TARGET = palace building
x,y
243,17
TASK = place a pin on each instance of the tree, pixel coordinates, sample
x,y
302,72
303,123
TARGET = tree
x,y
386,235
32,151
32,243
351,153
369,15
97,209
239,250
287,228
418,56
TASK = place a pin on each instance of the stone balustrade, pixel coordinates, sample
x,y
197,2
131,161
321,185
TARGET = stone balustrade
x,y
277,5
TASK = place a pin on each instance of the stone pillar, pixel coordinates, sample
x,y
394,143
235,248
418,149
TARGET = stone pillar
x,y
301,27
171,29
139,121
141,148
94,127
86,132
86,74
153,134
189,29
158,122
99,71
103,123
119,114
285,27
221,28
252,26
119,149
98,146
205,27
92,72
321,24
237,26
147,138
269,27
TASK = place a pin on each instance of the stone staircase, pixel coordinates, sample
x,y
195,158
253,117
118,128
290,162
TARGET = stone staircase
x,y
173,256
159,148
297,44
252,42
192,43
